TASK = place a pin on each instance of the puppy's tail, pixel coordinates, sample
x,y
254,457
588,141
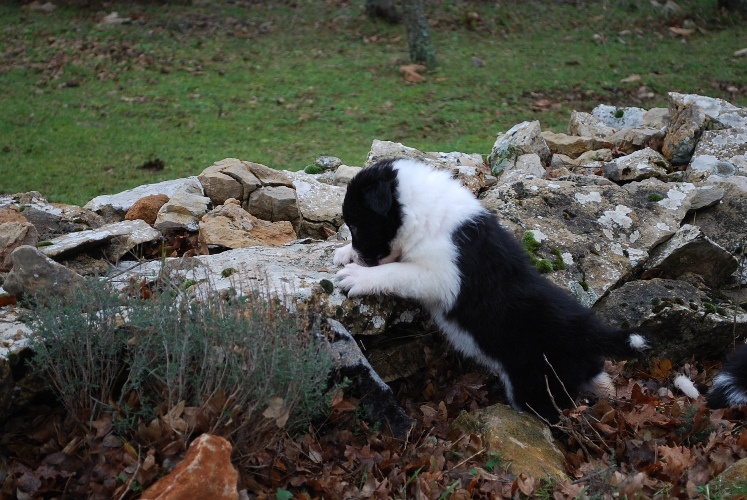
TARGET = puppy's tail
x,y
730,386
624,344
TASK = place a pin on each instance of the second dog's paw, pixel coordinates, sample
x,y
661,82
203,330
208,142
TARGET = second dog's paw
x,y
344,255
355,280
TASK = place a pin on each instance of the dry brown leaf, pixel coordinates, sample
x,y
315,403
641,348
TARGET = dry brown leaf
x,y
524,483
676,459
276,410
661,369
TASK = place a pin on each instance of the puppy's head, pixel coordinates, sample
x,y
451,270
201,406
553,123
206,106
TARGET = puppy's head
x,y
373,213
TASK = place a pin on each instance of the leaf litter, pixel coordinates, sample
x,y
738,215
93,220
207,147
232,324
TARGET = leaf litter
x,y
645,441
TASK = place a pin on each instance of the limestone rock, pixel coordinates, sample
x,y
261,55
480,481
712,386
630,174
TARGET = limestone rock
x,y
632,139
266,175
468,168
619,117
730,483
707,196
677,318
344,173
377,397
300,272
274,203
14,339
230,226
36,275
691,115
13,235
718,113
14,333
690,251
11,213
587,125
328,162
590,158
597,234
128,235
230,178
637,166
184,208
526,166
657,118
205,472
320,206
560,166
719,152
147,208
523,440
49,219
724,222
686,127
219,186
113,207
523,138
573,145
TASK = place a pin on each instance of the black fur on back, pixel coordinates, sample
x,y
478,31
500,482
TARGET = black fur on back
x,y
518,317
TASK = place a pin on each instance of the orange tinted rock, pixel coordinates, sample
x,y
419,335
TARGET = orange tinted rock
x,y
147,208
205,472
11,214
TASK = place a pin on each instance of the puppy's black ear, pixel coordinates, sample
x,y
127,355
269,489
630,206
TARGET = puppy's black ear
x,y
379,198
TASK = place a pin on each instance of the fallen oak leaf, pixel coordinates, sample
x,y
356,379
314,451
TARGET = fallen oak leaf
x,y
675,460
276,410
524,483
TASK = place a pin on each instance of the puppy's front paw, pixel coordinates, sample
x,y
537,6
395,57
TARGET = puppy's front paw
x,y
355,280
344,255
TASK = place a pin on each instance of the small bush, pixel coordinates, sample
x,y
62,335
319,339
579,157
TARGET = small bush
x,y
233,365
79,345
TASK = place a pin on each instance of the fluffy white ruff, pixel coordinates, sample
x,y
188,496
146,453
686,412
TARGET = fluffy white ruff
x,y
687,387
433,206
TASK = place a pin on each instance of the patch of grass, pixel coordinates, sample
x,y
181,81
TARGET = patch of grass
x,y
279,83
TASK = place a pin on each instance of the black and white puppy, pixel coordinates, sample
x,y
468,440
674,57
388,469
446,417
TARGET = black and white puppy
x,y
419,234
730,385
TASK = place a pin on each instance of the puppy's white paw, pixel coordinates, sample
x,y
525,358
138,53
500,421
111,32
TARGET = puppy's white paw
x,y
344,255
356,280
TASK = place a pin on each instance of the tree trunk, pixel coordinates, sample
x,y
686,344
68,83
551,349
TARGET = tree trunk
x,y
418,35
383,9
736,6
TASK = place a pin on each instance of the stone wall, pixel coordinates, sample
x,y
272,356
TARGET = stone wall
x,y
639,213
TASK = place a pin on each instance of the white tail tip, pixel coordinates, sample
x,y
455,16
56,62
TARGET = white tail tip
x,y
637,342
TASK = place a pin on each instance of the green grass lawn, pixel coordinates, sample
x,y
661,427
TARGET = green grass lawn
x,y
84,106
